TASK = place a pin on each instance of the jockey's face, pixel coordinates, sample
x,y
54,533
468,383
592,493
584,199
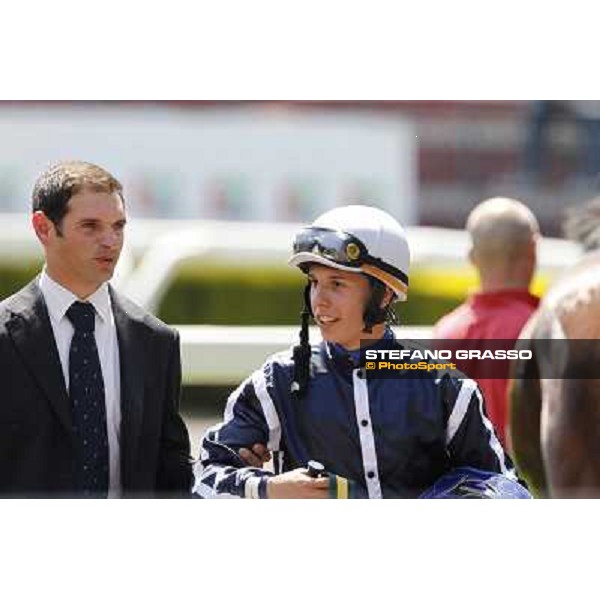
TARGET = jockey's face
x,y
338,300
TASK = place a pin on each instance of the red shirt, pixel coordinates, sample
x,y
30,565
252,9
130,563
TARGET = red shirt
x,y
498,315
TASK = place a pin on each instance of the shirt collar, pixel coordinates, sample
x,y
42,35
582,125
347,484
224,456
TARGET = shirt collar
x,y
58,298
336,351
502,295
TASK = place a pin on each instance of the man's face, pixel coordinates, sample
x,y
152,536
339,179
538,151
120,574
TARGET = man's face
x,y
338,300
86,253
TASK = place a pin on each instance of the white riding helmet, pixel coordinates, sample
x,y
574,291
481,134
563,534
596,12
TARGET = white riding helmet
x,y
359,239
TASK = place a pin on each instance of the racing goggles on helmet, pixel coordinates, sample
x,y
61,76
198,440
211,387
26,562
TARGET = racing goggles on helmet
x,y
337,246
342,248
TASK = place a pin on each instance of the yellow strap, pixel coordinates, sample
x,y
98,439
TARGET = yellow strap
x,y
341,485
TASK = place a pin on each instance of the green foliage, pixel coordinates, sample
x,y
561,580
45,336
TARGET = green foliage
x,y
14,276
266,297
233,296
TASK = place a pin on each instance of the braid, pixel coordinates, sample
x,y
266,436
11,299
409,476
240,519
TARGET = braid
x,y
302,351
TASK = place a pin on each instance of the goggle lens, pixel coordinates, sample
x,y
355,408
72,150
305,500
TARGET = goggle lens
x,y
337,246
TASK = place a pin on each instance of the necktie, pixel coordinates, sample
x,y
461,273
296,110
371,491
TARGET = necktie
x,y
86,390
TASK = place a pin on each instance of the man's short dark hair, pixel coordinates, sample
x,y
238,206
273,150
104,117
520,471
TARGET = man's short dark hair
x,y
55,187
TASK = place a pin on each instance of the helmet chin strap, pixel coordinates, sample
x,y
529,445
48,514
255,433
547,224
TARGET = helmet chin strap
x,y
374,313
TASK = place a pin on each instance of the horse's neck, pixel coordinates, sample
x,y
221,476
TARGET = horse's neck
x,y
575,300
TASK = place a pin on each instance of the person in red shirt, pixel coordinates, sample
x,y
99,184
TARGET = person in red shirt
x,y
504,234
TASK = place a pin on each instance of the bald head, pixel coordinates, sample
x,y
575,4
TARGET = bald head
x,y
503,236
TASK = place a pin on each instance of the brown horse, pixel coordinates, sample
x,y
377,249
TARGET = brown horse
x,y
555,398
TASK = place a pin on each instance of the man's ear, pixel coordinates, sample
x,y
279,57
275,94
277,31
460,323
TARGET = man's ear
x,y
472,256
42,226
533,247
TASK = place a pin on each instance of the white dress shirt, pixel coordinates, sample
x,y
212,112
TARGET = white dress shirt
x,y
58,300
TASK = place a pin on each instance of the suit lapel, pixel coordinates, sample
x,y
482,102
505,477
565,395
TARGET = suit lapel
x,y
31,333
130,335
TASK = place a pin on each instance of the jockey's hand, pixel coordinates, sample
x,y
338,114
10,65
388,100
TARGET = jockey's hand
x,y
256,456
298,484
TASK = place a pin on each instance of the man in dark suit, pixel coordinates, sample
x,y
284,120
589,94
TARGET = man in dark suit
x,y
90,382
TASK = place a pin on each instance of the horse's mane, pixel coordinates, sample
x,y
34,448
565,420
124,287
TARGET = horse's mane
x,y
582,224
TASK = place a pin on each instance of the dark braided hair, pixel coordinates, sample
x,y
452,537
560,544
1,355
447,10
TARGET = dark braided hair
x,y
301,352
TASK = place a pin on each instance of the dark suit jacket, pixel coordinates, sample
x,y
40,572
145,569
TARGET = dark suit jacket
x,y
36,443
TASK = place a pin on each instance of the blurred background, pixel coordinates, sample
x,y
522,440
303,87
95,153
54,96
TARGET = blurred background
x,y
216,190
